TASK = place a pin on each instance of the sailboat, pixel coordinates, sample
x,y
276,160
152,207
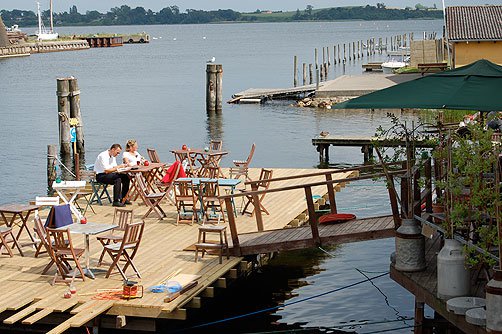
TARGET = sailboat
x,y
43,34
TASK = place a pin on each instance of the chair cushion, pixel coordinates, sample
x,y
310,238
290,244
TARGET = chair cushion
x,y
334,218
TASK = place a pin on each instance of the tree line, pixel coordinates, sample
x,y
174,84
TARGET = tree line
x,y
125,15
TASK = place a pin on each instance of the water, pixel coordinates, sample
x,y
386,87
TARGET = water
x,y
156,94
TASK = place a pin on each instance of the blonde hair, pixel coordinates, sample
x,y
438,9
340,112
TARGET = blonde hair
x,y
130,143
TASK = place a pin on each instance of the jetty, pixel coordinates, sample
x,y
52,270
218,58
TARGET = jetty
x,y
167,252
367,144
260,95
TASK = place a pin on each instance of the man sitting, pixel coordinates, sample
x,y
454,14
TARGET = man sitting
x,y
106,172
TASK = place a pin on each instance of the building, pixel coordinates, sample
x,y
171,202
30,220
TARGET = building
x,y
474,32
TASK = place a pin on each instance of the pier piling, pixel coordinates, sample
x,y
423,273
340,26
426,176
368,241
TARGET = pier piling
x,y
211,87
63,92
311,74
52,151
304,72
75,113
219,87
295,71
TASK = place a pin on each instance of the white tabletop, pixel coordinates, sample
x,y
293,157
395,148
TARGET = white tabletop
x,y
68,184
90,228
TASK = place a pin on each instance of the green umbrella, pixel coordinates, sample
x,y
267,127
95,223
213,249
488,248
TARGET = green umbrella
x,y
477,86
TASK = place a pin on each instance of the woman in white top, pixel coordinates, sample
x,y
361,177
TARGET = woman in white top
x,y
131,157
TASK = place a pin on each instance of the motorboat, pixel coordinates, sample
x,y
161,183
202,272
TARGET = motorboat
x,y
394,63
43,33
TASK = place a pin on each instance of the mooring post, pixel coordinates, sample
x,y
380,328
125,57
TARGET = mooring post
x,y
211,87
334,54
52,152
312,216
338,52
316,59
323,57
344,54
295,71
304,72
317,79
76,113
219,87
63,91
311,75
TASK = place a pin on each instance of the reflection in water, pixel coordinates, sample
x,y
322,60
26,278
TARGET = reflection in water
x,y
214,126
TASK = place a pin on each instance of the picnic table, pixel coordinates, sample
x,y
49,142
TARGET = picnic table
x,y
432,67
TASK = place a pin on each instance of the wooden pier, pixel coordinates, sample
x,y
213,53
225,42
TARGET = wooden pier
x,y
262,94
167,249
367,144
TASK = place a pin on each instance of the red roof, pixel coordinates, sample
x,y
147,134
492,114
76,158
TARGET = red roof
x,y
474,23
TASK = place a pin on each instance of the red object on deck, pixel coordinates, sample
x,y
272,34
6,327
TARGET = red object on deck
x,y
171,171
334,218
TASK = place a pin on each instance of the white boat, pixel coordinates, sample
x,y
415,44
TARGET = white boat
x,y
394,63
43,34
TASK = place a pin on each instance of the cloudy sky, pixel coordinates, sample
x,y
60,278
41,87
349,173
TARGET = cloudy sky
x,y
238,5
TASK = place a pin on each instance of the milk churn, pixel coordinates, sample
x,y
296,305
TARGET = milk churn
x,y
453,277
494,303
410,247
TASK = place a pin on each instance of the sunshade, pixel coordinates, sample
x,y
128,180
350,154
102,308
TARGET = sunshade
x,y
477,86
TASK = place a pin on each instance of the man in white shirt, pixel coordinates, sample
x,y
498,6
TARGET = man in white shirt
x,y
106,172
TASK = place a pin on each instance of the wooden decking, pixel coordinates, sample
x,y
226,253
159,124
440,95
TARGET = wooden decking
x,y
31,300
301,237
272,93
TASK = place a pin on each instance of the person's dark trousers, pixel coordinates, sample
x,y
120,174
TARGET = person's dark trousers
x,y
120,184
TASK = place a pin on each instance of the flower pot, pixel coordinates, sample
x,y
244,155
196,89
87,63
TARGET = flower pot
x,y
494,303
410,247
453,277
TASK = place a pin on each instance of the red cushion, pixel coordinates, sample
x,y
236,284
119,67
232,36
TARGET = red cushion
x,y
171,171
333,218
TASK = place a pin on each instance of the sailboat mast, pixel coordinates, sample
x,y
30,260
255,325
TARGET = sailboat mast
x,y
52,22
39,18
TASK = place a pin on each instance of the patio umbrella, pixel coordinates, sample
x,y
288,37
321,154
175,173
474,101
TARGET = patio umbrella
x,y
476,86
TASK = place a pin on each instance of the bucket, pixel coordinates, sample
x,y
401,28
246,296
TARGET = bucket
x,y
494,303
453,278
410,247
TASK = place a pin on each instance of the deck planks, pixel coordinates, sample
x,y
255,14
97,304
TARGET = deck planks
x,y
160,254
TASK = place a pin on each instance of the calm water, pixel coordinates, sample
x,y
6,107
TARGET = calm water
x,y
156,94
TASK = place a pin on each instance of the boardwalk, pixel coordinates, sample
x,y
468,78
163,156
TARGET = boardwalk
x,y
31,300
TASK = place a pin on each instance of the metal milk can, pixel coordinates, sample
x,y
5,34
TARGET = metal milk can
x,y
453,277
410,247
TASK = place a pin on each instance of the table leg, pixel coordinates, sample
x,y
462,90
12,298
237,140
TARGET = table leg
x,y
87,269
70,202
24,222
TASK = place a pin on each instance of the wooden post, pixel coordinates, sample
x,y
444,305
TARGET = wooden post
x,y
354,50
417,203
404,192
331,194
338,50
312,216
295,71
219,87
233,228
428,185
317,79
211,87
329,58
321,72
257,208
63,91
304,74
419,316
367,47
323,57
334,54
75,113
311,75
350,55
316,59
52,152
344,54
358,50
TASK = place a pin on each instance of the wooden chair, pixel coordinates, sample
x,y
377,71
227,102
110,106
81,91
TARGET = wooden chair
x,y
185,197
88,192
187,160
151,199
153,155
241,167
99,190
62,252
6,233
126,249
42,243
212,206
168,187
263,184
121,217
215,145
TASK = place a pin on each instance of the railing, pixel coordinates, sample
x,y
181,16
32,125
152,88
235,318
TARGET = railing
x,y
329,183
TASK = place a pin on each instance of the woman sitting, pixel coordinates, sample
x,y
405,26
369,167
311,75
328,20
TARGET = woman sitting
x,y
131,157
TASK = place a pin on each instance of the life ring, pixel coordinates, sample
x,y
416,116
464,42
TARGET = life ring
x,y
335,218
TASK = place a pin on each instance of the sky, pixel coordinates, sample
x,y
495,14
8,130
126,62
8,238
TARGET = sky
x,y
238,5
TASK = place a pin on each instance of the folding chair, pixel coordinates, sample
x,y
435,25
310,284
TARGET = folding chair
x,y
99,190
6,232
126,249
215,145
187,160
211,205
185,196
262,184
42,234
167,183
153,155
151,199
62,252
121,217
88,192
241,167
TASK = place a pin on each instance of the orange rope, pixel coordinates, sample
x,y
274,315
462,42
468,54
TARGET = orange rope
x,y
115,295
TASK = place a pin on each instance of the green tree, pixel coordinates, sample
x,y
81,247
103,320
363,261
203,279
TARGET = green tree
x,y
308,10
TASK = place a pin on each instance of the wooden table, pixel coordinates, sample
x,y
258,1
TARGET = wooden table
x,y
205,158
69,187
149,172
21,210
88,229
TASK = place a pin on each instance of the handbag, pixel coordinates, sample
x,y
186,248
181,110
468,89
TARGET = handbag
x,y
59,216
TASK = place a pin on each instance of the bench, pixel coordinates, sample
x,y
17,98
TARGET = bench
x,y
432,67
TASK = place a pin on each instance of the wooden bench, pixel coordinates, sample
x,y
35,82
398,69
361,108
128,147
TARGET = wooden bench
x,y
372,66
432,67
